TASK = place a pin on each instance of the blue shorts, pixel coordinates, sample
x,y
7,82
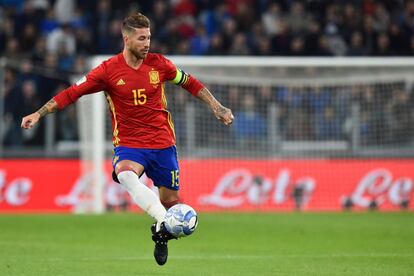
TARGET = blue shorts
x,y
161,165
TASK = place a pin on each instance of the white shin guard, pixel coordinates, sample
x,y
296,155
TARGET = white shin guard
x,y
146,199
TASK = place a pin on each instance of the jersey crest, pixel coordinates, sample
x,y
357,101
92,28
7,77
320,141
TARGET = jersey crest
x,y
154,77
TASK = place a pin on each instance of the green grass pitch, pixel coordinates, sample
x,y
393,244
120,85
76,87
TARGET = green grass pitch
x,y
224,244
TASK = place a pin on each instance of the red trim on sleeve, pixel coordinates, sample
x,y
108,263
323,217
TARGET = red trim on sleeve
x,y
63,99
193,85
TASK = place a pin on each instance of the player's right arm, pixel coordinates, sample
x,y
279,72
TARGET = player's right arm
x,y
93,82
30,120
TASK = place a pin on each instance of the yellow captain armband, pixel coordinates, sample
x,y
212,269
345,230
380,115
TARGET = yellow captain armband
x,y
181,77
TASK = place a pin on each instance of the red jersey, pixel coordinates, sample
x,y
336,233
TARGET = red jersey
x,y
136,99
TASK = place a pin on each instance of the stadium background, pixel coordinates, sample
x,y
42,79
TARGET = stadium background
x,y
315,177
311,146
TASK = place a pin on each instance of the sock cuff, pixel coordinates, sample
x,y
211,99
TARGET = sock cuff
x,y
170,203
125,168
124,176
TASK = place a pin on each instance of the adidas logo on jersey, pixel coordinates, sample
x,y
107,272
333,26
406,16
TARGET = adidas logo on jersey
x,y
120,82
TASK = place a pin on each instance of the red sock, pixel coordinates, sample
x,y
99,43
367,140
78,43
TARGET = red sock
x,y
170,203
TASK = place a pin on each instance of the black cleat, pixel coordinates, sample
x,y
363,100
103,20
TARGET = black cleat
x,y
161,239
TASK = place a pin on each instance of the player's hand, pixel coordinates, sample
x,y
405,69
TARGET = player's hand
x,y
30,120
225,115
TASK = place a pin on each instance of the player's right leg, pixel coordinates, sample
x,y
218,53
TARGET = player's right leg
x,y
128,166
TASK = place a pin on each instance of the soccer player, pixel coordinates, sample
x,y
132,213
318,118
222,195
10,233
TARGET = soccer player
x,y
143,132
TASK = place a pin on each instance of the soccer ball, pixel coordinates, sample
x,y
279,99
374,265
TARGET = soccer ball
x,y
181,220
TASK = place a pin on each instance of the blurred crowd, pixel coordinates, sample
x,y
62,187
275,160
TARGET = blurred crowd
x,y
381,114
69,28
46,41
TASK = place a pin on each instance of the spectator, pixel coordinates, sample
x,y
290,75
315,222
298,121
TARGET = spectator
x,y
263,47
185,8
64,10
271,19
297,19
61,39
11,134
399,39
39,51
227,33
200,42
40,5
67,121
336,44
402,117
28,38
351,21
183,48
159,14
244,16
369,33
26,17
51,77
26,72
383,46
12,49
239,46
327,125
49,23
381,18
410,50
297,47
102,18
7,32
114,44
312,38
214,19
281,41
216,46
25,98
265,97
356,48
250,127
324,48
319,99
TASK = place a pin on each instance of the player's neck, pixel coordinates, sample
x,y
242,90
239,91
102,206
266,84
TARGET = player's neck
x,y
131,60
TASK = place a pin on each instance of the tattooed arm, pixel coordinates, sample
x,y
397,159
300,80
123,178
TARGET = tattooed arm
x,y
222,113
30,120
50,107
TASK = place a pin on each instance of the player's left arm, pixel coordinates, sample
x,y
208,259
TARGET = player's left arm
x,y
221,112
195,87
178,77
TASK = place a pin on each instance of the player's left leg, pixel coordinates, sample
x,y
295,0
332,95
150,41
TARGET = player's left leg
x,y
168,196
163,170
161,236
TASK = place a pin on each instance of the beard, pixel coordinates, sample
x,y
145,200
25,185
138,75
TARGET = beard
x,y
139,54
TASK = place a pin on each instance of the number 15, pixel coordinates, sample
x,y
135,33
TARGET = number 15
x,y
139,96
